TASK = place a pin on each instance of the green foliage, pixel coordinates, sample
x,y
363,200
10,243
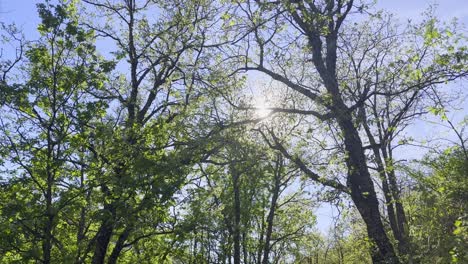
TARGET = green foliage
x,y
140,158
45,130
244,165
438,209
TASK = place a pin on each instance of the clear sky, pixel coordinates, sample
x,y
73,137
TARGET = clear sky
x,y
446,9
23,13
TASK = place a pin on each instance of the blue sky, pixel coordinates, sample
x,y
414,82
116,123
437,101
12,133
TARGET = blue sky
x,y
446,9
23,12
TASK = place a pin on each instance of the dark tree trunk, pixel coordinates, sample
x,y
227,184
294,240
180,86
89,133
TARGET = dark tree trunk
x,y
394,206
389,199
271,215
49,212
105,231
237,218
363,192
261,242
102,241
359,179
119,246
47,242
403,244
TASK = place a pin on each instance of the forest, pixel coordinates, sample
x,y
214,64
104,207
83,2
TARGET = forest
x,y
221,131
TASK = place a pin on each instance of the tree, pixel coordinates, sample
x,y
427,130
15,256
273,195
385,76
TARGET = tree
x,y
314,57
105,132
438,221
398,100
152,152
144,164
46,118
243,208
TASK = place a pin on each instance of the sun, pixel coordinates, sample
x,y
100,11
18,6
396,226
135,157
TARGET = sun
x,y
261,107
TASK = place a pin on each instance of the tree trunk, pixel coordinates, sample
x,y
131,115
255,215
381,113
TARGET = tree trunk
x,y
396,216
359,179
237,216
271,215
389,198
119,246
261,242
403,244
102,241
105,231
47,242
324,58
363,192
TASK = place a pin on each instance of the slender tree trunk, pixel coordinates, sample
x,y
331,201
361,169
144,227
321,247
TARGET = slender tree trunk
x,y
396,215
271,215
403,244
382,174
261,240
244,248
81,233
237,217
389,202
49,212
47,242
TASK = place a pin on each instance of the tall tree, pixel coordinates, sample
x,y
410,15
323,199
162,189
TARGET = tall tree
x,y
159,47
45,118
309,57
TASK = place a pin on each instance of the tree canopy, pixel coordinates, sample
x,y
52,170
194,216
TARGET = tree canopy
x,y
211,132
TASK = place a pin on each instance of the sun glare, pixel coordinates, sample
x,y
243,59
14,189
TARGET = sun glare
x,y
261,107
